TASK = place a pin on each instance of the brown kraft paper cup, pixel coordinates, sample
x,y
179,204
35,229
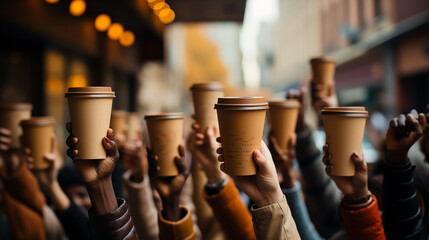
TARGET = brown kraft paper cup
x,y
344,134
241,125
323,69
118,122
283,118
37,135
205,96
134,125
90,109
165,135
11,114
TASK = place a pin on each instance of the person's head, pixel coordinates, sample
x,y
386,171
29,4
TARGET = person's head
x,y
72,184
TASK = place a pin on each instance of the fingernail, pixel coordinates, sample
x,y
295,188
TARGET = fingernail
x,y
355,154
107,139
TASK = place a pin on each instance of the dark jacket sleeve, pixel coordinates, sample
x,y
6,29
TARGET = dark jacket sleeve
x,y
75,222
363,223
402,215
116,225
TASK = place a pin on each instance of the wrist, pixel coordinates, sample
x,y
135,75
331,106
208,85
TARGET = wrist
x,y
396,157
357,196
136,177
59,199
171,209
269,199
357,203
102,195
214,176
288,179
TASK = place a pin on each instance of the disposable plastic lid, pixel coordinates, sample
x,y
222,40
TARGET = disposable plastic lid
x,y
92,91
241,103
38,121
284,104
16,106
208,86
322,59
345,111
163,116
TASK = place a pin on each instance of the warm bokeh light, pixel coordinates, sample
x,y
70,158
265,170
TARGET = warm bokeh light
x,y
167,16
77,7
102,22
127,39
115,31
152,3
76,80
159,7
52,1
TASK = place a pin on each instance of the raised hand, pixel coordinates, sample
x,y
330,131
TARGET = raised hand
x,y
97,174
402,133
47,177
300,96
320,99
169,188
93,170
12,158
283,160
133,157
203,148
354,187
263,188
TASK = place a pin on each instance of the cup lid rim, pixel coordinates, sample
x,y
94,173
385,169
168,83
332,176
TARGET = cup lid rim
x,y
16,106
90,90
289,103
38,121
161,116
211,86
324,58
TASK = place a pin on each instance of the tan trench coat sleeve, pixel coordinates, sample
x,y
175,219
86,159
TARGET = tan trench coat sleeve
x,y
274,222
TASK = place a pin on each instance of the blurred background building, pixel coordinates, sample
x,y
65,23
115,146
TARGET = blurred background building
x,y
151,51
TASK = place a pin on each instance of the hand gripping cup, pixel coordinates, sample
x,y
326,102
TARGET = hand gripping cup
x,y
344,128
283,118
11,114
90,109
165,135
118,122
323,69
205,96
38,132
241,125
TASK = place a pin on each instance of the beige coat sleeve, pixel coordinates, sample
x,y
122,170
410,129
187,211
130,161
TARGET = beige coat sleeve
x,y
274,222
142,207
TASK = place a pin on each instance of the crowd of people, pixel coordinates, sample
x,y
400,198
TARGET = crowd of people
x,y
292,196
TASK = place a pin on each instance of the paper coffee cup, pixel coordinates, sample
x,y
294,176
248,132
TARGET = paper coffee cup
x,y
205,96
134,125
118,122
165,135
11,114
37,135
283,118
241,125
344,128
323,69
90,109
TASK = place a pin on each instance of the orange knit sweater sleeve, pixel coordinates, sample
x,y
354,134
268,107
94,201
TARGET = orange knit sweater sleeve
x,y
363,223
22,186
24,223
231,212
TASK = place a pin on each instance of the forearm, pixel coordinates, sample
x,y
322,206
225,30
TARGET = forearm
x,y
299,212
59,199
171,209
400,203
142,207
102,196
